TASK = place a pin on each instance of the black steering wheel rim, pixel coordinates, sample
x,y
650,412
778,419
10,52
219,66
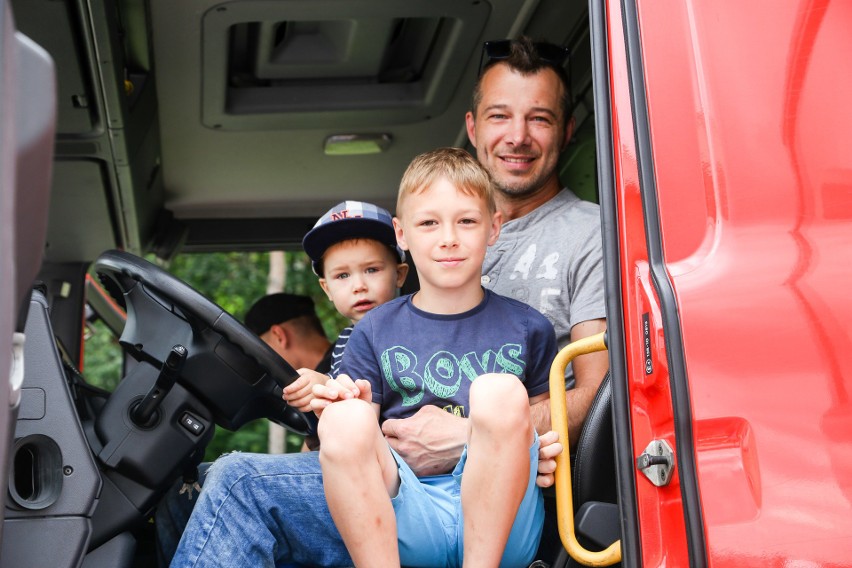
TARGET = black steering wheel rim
x,y
120,272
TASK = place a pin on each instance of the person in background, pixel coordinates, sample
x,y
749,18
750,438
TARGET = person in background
x,y
289,324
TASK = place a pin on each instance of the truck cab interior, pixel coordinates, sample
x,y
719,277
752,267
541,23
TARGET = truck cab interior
x,y
199,126
714,136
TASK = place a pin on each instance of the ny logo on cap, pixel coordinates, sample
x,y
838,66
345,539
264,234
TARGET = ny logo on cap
x,y
338,215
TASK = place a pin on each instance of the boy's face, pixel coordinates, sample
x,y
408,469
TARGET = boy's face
x,y
359,275
447,232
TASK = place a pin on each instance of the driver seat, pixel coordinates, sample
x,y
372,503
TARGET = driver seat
x,y
597,517
594,463
596,514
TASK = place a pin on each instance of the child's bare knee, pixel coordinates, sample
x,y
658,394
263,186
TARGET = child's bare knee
x,y
345,427
345,416
501,401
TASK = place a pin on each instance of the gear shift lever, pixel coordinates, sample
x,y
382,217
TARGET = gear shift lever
x,y
147,408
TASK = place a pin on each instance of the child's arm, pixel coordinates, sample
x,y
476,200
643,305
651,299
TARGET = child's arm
x,y
342,388
299,393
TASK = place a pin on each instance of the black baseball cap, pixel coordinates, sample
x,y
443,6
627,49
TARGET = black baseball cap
x,y
276,309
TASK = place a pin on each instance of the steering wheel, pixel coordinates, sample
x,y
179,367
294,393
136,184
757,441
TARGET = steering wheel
x,y
230,369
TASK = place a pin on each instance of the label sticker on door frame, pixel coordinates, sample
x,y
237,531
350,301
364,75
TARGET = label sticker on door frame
x,y
646,343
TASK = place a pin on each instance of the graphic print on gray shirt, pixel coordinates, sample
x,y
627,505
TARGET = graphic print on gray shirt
x,y
552,259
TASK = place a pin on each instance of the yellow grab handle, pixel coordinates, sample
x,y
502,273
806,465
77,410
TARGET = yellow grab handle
x,y
559,423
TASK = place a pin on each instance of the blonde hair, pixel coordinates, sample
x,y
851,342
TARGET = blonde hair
x,y
453,164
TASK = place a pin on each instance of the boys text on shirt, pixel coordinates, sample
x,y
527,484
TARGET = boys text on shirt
x,y
413,358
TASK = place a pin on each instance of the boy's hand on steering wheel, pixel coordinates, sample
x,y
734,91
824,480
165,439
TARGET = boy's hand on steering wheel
x,y
299,393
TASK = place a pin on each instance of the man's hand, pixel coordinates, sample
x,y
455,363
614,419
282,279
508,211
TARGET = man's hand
x,y
341,388
549,447
430,442
299,393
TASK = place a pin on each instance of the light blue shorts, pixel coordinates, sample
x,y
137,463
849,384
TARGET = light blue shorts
x,y
430,523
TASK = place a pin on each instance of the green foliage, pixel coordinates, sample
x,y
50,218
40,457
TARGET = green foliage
x,y
234,281
253,437
102,357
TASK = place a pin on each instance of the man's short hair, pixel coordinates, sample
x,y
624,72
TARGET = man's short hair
x,y
276,309
524,57
453,164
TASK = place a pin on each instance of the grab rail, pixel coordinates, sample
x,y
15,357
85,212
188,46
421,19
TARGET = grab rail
x,y
559,423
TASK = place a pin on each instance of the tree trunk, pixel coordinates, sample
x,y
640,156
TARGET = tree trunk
x,y
275,284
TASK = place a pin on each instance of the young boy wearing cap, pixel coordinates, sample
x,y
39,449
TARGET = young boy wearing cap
x,y
455,345
353,250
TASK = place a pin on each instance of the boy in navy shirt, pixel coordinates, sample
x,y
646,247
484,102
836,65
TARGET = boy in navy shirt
x,y
455,345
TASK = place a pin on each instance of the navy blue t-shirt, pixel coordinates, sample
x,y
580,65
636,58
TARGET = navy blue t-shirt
x,y
413,358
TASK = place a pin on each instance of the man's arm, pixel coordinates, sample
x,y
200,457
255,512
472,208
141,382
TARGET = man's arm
x,y
589,371
431,441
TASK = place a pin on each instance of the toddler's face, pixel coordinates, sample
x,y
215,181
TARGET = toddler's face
x,y
359,275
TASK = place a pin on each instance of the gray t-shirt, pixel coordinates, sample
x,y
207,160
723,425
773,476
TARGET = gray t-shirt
x,y
551,258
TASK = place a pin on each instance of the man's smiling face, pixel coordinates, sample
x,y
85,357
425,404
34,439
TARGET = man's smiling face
x,y
519,130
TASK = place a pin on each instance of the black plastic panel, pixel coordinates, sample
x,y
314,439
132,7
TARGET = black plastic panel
x,y
54,482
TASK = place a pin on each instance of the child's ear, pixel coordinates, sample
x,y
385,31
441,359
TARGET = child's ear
x,y
401,273
324,285
400,236
496,223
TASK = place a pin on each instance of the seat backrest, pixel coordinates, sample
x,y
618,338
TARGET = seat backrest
x,y
27,125
594,462
28,99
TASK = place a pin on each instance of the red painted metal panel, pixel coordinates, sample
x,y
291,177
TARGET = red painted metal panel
x,y
661,517
750,107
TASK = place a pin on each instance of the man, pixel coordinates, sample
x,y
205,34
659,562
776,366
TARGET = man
x,y
549,253
288,323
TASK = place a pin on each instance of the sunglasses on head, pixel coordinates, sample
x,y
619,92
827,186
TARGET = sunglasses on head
x,y
496,50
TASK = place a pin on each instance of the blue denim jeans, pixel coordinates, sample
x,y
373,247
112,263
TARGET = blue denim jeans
x,y
261,510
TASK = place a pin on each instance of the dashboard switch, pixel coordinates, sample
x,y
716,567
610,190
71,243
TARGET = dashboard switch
x,y
192,424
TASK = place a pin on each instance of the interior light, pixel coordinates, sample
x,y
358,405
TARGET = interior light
x,y
356,144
